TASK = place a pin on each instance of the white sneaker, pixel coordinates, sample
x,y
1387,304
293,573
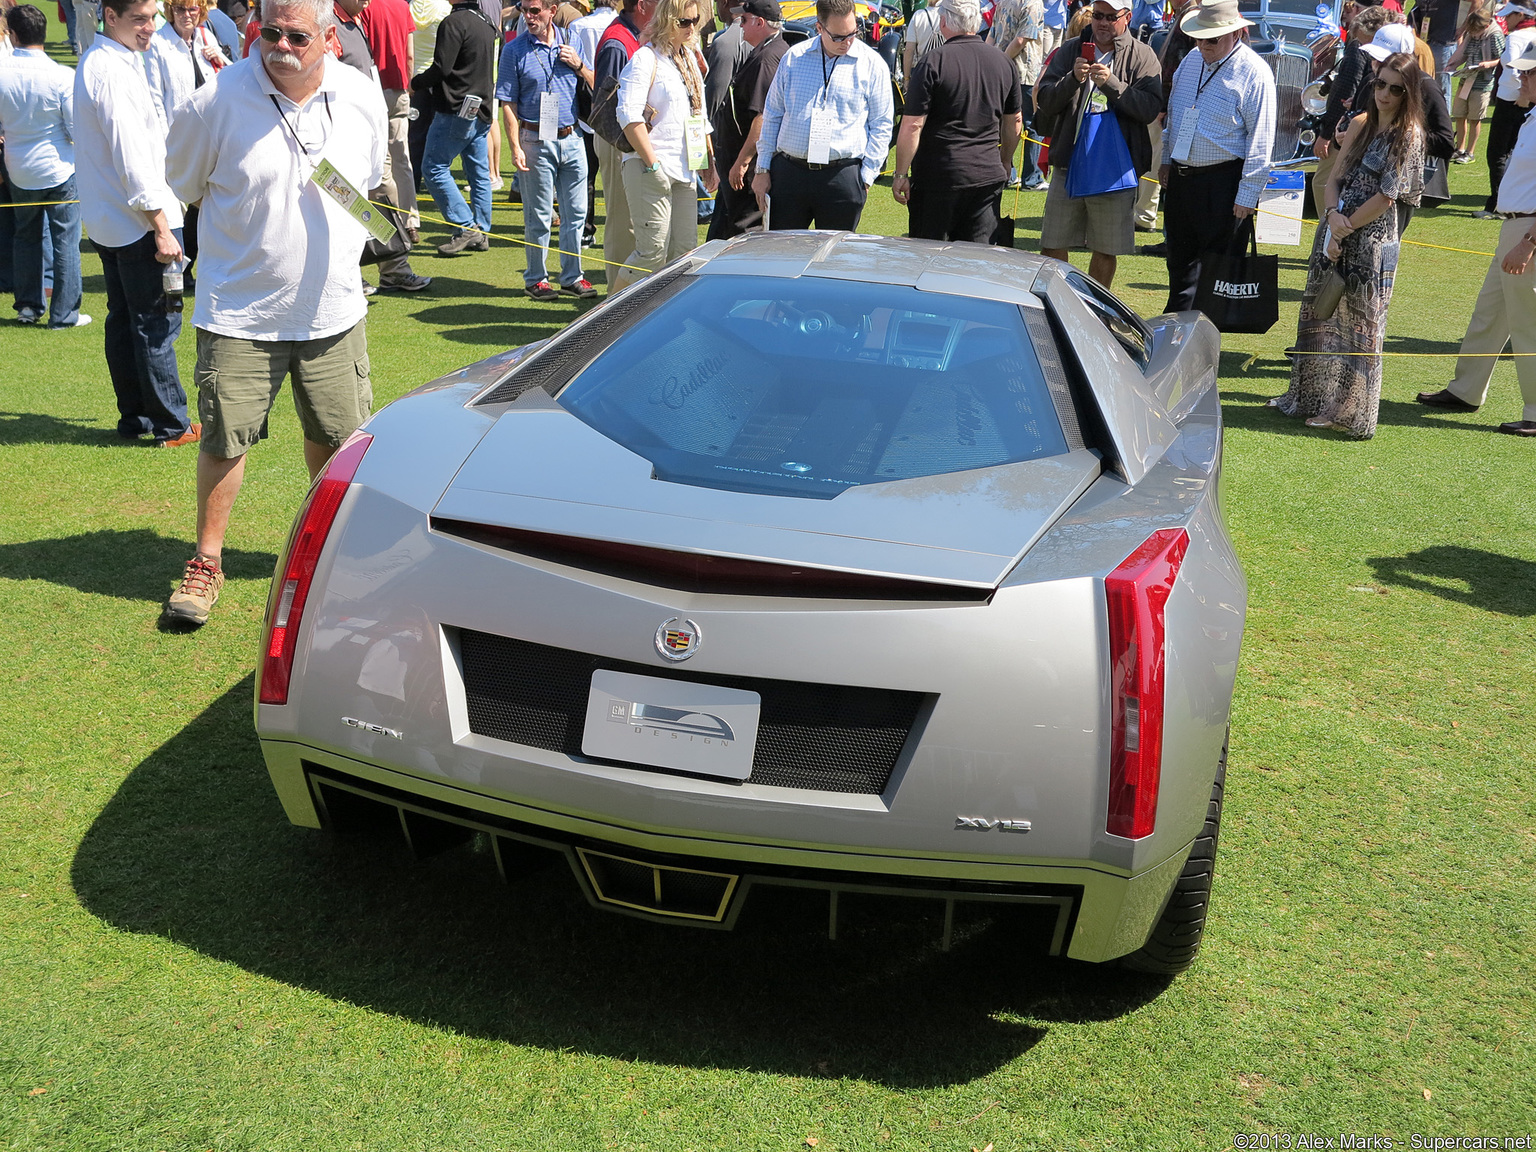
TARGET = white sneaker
x,y
81,320
497,184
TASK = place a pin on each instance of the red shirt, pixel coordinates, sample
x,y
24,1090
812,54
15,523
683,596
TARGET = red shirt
x,y
388,26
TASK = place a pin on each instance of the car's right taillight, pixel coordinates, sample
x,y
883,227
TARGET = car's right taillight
x,y
1137,592
292,592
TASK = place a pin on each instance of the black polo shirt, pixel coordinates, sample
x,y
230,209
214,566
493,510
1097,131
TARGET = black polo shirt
x,y
964,87
748,98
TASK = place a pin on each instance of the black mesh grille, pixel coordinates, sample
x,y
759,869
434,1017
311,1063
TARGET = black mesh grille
x,y
555,364
825,737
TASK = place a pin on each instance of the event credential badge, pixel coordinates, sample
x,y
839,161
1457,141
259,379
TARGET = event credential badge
x,y
340,189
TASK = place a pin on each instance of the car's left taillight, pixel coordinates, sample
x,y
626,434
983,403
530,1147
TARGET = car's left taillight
x,y
304,549
1137,593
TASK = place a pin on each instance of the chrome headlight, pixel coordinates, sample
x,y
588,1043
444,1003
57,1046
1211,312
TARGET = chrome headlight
x,y
1313,100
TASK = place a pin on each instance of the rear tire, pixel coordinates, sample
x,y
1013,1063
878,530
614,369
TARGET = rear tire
x,y
1175,939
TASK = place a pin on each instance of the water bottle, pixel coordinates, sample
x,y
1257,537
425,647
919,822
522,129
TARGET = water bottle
x,y
171,281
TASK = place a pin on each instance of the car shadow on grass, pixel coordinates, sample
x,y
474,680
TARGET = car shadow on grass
x,y
194,847
1486,580
134,564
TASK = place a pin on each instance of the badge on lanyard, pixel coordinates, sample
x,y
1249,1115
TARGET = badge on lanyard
x,y
549,116
819,150
693,141
340,189
1186,137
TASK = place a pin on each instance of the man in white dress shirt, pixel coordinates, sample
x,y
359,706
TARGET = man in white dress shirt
x,y
826,128
37,123
134,220
283,254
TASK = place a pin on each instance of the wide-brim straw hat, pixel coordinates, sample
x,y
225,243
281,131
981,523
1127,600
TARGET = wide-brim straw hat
x,y
1212,18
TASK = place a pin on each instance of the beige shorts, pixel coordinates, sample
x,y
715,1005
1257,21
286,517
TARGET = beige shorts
x,y
1104,223
238,380
1469,105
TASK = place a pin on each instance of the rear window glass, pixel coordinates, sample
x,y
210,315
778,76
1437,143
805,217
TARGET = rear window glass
x,y
808,387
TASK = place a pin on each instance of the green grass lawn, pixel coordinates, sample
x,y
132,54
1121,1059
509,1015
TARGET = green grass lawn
x,y
181,969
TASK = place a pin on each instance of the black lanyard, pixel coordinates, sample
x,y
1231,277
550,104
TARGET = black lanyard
x,y
826,73
283,116
1202,84
549,67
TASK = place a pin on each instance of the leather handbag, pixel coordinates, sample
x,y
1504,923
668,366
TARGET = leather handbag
x,y
605,113
1329,293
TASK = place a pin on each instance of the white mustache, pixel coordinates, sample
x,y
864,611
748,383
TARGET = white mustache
x,y
284,59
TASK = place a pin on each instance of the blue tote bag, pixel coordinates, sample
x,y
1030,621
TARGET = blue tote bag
x,y
1101,162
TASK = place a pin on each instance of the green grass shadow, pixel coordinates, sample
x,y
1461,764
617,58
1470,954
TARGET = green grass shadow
x,y
1471,576
194,847
133,564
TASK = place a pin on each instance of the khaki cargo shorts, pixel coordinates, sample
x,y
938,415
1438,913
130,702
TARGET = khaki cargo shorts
x,y
238,380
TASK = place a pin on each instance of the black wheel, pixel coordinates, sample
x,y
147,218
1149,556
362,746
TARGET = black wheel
x,y
1175,940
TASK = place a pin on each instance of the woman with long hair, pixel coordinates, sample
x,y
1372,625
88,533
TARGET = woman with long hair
x,y
661,106
1336,369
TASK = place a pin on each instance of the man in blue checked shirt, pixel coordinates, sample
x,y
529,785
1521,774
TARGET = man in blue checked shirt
x,y
537,89
826,128
1217,138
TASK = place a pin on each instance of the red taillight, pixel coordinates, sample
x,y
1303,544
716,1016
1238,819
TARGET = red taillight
x,y
1137,592
303,555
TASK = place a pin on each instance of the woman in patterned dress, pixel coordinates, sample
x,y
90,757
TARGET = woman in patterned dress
x,y
1336,374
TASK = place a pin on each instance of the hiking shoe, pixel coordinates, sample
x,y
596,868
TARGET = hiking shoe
x,y
406,282
581,289
199,592
463,242
191,436
543,290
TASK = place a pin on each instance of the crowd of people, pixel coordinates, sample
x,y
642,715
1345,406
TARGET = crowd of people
x,y
274,149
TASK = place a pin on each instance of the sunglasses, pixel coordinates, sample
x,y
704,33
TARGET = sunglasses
x,y
687,21
836,39
531,7
186,11
1396,89
1106,17
298,39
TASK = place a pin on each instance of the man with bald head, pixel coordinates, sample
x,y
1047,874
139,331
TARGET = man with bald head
x,y
282,251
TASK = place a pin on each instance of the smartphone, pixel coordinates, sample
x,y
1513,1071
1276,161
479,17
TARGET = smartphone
x,y
1090,50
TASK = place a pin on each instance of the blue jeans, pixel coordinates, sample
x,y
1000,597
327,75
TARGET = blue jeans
x,y
1443,54
555,168
452,136
69,21
64,232
141,343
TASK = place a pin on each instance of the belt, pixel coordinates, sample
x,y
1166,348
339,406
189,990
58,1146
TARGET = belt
x,y
1517,215
560,133
796,160
1196,169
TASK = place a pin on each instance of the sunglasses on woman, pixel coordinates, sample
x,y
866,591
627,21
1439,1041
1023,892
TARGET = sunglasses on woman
x,y
687,21
1387,86
298,39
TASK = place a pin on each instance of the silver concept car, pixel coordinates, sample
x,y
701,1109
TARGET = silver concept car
x,y
815,559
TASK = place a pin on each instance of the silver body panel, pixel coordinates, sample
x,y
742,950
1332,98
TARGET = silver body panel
x,y
1014,720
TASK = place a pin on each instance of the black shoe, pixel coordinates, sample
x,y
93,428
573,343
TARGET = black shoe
x,y
1519,427
543,290
1446,399
581,289
1160,249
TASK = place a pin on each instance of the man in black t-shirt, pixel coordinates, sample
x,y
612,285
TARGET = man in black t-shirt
x,y
961,124
740,118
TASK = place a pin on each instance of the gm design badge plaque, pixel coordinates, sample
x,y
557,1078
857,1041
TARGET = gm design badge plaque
x,y
699,728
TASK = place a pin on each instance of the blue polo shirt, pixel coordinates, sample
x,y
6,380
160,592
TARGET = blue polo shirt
x,y
529,68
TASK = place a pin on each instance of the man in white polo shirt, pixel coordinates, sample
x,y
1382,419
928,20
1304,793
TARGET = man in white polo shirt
x,y
1505,312
134,221
278,258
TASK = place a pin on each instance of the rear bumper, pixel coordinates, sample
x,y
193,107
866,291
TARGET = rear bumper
x,y
1097,914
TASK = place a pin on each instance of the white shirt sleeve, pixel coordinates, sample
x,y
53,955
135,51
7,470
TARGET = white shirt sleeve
x,y
635,84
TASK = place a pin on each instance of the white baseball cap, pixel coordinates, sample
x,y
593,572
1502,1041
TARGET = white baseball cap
x,y
1390,39
1512,9
1526,60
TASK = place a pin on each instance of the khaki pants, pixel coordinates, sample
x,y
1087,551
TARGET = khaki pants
x,y
1505,312
1148,189
399,180
618,234
665,216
